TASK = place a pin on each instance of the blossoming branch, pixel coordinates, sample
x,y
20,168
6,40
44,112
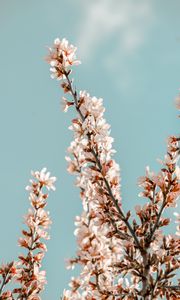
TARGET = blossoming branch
x,y
26,272
121,256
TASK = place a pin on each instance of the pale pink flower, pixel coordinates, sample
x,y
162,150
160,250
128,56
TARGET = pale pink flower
x,y
62,56
177,215
177,172
66,104
44,178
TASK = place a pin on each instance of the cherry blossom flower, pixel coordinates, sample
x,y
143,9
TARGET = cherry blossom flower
x,y
61,57
44,179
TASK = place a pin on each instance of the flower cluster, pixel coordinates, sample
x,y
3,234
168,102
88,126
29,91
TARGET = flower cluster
x,y
27,271
120,258
91,159
31,278
61,57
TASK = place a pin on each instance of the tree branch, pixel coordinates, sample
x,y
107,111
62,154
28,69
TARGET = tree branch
x,y
115,201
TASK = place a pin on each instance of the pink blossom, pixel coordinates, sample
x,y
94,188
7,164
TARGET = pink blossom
x,y
61,57
44,178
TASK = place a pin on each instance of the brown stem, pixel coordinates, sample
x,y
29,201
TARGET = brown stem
x,y
155,284
156,225
172,287
145,279
4,282
104,293
121,234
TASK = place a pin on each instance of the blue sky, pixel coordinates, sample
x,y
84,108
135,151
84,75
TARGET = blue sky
x,y
130,52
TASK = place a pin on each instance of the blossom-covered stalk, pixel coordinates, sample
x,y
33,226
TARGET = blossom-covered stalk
x,y
121,257
162,191
30,275
26,271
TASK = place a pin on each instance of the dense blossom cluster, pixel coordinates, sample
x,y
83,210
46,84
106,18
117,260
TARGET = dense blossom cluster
x,y
91,159
27,271
61,57
121,257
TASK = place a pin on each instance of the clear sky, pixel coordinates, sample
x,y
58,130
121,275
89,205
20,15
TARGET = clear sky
x,y
130,52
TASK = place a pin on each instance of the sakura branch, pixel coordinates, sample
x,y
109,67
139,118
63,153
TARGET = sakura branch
x,y
121,257
31,278
27,271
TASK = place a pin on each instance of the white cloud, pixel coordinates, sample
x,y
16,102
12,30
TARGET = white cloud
x,y
127,21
